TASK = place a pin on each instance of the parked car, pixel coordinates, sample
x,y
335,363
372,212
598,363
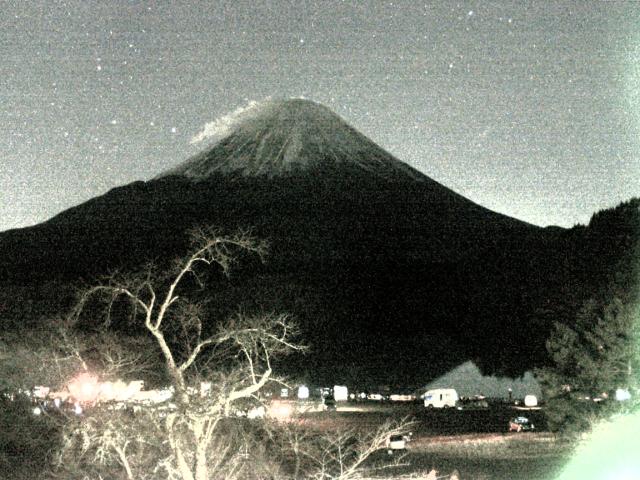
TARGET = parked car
x,y
474,403
520,424
397,443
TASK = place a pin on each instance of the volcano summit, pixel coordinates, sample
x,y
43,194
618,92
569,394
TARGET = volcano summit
x,y
281,137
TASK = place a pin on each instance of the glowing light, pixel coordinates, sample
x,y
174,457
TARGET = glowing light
x,y
106,390
280,410
41,391
303,392
257,412
84,388
622,395
611,453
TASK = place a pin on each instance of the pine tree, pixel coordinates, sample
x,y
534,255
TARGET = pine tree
x,y
592,358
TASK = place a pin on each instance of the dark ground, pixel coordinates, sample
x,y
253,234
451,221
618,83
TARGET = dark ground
x,y
476,443
427,422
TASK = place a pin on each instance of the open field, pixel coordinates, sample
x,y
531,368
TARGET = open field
x,y
473,442
426,422
526,456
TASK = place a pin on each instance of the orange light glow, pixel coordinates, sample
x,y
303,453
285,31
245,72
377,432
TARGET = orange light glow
x,y
84,388
280,410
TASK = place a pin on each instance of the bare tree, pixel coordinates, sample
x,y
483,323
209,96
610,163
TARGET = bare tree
x,y
345,454
236,358
195,435
30,358
36,357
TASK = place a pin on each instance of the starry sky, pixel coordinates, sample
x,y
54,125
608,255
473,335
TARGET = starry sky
x,y
531,109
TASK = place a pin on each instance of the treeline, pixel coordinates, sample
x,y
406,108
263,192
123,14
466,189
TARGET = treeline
x,y
593,368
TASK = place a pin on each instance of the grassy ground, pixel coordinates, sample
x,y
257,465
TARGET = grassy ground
x,y
475,443
524,456
367,417
480,457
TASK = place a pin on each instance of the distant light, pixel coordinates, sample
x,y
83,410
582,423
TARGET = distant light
x,y
205,388
37,411
257,412
303,392
401,398
280,410
84,388
622,394
106,390
40,391
340,393
530,401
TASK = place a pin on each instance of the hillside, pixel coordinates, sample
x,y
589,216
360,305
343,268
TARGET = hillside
x,y
394,277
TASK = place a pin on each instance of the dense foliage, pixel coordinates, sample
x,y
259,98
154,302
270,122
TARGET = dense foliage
x,y
593,359
597,353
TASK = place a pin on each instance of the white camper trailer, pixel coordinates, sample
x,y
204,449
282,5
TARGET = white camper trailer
x,y
440,398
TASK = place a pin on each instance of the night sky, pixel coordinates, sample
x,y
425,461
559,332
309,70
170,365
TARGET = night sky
x,y
528,108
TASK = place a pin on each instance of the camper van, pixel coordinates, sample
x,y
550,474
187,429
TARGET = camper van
x,y
440,398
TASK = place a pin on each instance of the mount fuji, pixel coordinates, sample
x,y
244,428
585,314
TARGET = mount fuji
x,y
393,277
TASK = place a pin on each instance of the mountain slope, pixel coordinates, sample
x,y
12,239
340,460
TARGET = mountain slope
x,y
288,136
394,277
294,172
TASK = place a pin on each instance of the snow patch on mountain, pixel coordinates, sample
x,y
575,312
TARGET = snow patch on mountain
x,y
225,124
280,137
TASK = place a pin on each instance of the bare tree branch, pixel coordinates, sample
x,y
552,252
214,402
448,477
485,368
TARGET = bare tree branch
x,y
243,348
